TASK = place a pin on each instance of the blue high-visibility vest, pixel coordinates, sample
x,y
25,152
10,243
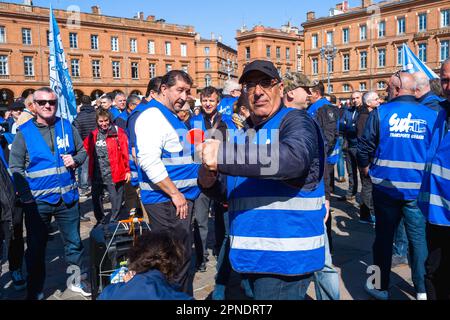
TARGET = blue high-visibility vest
x,y
406,129
48,178
312,110
276,228
115,112
180,166
134,167
226,105
434,198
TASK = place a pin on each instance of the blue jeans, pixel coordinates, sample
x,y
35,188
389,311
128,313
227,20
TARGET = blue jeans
x,y
83,175
388,213
223,265
272,287
341,161
400,241
326,281
37,220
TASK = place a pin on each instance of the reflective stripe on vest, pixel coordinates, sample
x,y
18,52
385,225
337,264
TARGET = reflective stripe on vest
x,y
180,167
434,198
405,128
272,222
48,178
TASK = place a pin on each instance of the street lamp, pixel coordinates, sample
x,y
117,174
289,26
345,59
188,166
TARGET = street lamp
x,y
230,68
328,53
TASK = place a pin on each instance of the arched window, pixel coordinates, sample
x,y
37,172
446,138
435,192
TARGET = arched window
x,y
207,64
208,80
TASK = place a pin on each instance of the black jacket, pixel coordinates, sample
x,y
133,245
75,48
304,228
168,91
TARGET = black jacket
x,y
85,121
328,118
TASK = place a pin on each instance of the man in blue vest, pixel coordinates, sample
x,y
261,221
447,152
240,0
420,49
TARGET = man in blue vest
x,y
274,189
168,174
350,121
231,92
43,159
423,93
395,143
434,201
210,119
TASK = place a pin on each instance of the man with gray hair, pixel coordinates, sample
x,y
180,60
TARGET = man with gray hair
x,y
371,100
399,135
423,93
231,93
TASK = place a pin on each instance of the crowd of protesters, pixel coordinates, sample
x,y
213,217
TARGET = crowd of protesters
x,y
271,227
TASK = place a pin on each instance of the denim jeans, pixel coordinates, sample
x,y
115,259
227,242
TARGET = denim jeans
x,y
400,241
341,161
223,265
83,175
37,220
326,281
273,287
388,213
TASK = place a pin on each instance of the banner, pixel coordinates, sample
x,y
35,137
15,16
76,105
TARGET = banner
x,y
411,63
60,80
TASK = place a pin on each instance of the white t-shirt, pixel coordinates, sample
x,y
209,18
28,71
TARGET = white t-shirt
x,y
153,134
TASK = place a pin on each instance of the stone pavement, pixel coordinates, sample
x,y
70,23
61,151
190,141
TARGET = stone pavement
x,y
352,254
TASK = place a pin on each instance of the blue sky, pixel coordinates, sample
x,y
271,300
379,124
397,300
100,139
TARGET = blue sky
x,y
220,17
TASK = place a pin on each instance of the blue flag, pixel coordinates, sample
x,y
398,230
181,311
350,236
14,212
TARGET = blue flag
x,y
412,64
60,80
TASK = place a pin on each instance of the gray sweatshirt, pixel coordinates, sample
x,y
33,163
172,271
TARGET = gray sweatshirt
x,y
19,158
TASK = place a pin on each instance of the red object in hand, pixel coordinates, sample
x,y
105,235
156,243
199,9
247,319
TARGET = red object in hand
x,y
195,136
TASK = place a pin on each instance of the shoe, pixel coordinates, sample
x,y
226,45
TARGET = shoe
x,y
398,261
377,294
19,282
85,194
39,296
370,220
84,219
219,292
245,285
83,288
202,267
341,180
421,296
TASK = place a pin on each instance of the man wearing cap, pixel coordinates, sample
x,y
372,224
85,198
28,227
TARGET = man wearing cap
x,y
274,189
297,88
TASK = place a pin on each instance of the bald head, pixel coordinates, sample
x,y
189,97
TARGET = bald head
x,y
401,84
422,84
445,78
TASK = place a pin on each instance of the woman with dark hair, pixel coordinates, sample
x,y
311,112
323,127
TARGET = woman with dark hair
x,y
153,263
107,148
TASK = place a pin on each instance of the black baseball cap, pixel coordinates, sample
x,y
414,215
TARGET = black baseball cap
x,y
263,66
17,105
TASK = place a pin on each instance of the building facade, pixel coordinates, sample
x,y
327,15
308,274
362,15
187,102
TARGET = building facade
x,y
281,46
103,53
368,42
215,63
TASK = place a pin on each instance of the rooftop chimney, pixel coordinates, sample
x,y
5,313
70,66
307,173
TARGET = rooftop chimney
x,y
311,15
339,6
151,18
140,15
366,3
28,2
96,10
213,36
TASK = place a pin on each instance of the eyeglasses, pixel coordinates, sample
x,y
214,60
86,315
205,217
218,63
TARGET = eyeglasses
x,y
398,74
264,83
44,102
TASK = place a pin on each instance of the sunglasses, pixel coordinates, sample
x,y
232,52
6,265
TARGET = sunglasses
x,y
44,102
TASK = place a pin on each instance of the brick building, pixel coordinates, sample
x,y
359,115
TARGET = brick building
x,y
215,63
368,41
103,53
281,46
